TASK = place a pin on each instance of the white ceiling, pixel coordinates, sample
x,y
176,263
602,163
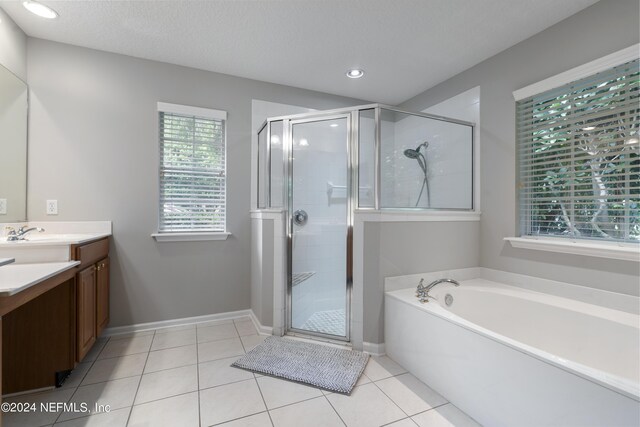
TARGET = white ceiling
x,y
405,46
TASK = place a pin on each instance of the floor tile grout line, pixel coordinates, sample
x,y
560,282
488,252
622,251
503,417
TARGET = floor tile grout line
x,y
171,348
397,421
151,372
140,381
236,419
75,390
173,367
166,397
326,396
431,409
222,385
138,375
220,339
293,403
255,378
389,397
84,417
409,416
128,354
174,346
263,400
122,355
132,335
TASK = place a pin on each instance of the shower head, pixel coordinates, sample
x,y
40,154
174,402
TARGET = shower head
x,y
412,154
424,144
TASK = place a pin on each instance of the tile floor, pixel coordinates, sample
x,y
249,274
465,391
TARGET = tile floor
x,y
181,376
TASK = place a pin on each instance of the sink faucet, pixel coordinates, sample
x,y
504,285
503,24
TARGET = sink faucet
x,y
422,291
14,235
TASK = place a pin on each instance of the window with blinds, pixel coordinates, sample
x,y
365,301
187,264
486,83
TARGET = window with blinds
x,y
579,158
192,169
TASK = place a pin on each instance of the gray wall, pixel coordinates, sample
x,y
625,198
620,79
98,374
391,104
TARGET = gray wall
x,y
601,29
262,261
93,147
13,46
400,248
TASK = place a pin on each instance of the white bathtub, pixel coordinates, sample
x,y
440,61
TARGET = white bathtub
x,y
512,357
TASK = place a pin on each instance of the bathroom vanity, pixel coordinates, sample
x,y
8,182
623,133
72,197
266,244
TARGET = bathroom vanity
x,y
53,310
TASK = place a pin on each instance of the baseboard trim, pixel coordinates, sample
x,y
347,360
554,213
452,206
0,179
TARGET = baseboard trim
x,y
264,330
373,348
140,327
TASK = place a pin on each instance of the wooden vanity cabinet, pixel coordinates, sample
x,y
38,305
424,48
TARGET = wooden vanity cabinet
x,y
102,295
86,309
92,293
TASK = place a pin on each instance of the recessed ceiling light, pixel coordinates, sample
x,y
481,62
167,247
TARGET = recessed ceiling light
x,y
40,9
334,125
304,142
355,73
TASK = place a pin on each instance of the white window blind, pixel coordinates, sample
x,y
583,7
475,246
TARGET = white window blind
x,y
192,169
579,158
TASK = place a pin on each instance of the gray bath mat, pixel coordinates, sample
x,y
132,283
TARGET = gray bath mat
x,y
322,366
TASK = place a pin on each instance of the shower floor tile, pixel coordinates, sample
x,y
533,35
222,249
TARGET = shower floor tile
x,y
328,322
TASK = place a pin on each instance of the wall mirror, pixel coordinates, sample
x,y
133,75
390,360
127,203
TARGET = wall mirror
x,y
13,147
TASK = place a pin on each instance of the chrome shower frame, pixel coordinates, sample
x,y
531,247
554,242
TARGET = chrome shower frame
x,y
352,114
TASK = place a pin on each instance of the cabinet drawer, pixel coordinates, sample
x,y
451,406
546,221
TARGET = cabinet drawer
x,y
91,252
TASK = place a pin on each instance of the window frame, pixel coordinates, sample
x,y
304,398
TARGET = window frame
x,y
195,235
615,249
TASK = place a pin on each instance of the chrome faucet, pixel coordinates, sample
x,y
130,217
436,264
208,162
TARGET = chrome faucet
x,y
422,291
13,235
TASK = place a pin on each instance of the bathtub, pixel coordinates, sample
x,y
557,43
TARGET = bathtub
x,y
513,357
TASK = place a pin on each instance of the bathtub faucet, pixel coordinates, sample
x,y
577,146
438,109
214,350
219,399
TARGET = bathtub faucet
x,y
423,291
436,282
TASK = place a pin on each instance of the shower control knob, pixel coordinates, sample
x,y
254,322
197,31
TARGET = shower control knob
x,y
300,217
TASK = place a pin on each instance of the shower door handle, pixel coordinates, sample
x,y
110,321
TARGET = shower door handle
x,y
300,217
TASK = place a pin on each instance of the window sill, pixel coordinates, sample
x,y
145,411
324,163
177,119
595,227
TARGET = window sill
x,y
622,251
189,237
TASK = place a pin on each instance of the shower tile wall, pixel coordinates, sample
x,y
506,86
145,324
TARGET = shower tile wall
x,y
320,246
449,162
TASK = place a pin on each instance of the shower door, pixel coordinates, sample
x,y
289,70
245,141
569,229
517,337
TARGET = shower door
x,y
319,238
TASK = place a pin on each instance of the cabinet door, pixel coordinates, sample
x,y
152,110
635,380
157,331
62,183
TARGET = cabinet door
x,y
86,294
102,295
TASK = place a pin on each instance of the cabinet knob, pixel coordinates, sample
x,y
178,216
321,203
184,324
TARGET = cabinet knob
x,y
98,267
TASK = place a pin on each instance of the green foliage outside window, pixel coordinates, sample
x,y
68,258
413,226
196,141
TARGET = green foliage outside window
x,y
192,173
580,159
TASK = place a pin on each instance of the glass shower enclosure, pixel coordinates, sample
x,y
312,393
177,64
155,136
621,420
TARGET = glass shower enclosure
x,y
322,168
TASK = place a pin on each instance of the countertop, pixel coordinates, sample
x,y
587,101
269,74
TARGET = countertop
x,y
44,239
5,261
18,277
